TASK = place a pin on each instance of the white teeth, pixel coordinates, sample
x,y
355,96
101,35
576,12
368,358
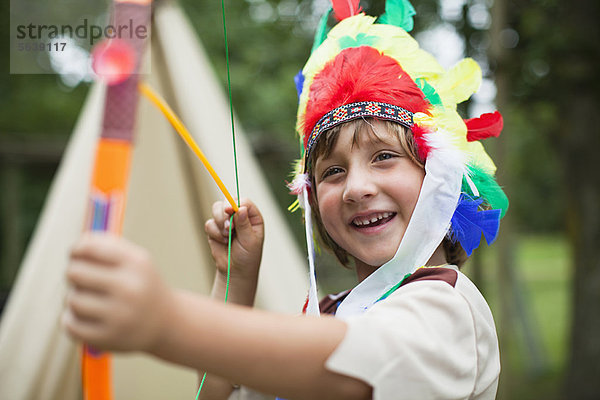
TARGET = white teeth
x,y
366,221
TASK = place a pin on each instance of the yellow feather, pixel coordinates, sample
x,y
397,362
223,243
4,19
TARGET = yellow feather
x,y
394,39
352,26
480,157
460,82
421,65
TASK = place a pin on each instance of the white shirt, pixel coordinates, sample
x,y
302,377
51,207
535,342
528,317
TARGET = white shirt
x,y
430,339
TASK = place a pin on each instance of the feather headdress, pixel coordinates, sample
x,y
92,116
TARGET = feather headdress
x,y
365,67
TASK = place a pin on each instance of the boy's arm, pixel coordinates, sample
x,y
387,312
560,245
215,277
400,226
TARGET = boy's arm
x,y
118,302
241,292
272,353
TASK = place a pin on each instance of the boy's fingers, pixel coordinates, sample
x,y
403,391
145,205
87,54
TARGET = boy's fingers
x,y
213,231
218,212
241,221
219,257
80,329
225,230
228,208
102,248
86,305
222,210
89,277
254,214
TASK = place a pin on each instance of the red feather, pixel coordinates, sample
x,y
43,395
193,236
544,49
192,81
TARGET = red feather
x,y
343,9
485,126
423,147
361,74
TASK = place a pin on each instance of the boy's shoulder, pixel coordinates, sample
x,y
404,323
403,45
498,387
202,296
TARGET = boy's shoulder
x,y
456,283
449,274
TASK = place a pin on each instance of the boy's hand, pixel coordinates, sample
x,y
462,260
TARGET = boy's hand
x,y
247,241
117,300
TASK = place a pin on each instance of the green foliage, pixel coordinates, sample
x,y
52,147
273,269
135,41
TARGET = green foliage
x,y
36,111
268,43
542,273
537,196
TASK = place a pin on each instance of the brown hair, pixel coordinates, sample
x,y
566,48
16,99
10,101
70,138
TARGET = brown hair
x,y
454,252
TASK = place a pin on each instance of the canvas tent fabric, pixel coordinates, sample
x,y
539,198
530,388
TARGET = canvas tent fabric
x,y
169,199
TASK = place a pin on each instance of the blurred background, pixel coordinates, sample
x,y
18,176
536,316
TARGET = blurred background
x,y
539,59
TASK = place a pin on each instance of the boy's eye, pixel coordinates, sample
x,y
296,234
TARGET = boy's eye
x,y
332,171
384,156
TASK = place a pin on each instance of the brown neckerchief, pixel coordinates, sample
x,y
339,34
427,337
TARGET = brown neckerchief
x,y
330,303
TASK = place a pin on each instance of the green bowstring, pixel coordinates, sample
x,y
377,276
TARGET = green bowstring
x,y
201,384
228,258
226,288
237,183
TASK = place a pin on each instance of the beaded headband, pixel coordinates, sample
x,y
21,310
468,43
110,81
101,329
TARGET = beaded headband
x,y
352,111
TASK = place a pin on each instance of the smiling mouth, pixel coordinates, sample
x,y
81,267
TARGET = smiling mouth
x,y
372,220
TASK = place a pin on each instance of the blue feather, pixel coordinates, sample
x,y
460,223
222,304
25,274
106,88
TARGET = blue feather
x,y
299,81
468,223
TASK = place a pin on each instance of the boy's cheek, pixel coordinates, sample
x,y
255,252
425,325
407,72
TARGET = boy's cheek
x,y
328,200
329,209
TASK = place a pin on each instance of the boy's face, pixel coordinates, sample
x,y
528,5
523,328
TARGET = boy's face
x,y
367,192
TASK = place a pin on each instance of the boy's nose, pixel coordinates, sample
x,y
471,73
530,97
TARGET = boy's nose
x,y
358,187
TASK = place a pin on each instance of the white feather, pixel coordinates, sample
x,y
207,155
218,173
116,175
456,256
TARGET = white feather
x,y
300,182
443,143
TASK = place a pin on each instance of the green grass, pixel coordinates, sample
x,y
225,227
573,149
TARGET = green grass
x,y
542,274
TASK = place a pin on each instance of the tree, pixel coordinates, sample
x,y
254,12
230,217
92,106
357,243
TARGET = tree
x,y
577,59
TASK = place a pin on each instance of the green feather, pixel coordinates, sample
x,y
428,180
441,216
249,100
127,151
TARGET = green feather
x,y
322,31
488,189
429,92
399,13
362,39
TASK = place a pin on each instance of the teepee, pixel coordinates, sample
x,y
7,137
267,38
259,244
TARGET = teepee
x,y
169,199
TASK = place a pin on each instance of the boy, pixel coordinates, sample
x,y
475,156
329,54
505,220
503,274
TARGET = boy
x,y
384,195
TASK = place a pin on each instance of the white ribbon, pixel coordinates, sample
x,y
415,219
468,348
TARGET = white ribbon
x,y
428,225
313,299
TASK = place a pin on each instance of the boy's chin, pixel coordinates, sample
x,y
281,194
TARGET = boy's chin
x,y
375,254
373,262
